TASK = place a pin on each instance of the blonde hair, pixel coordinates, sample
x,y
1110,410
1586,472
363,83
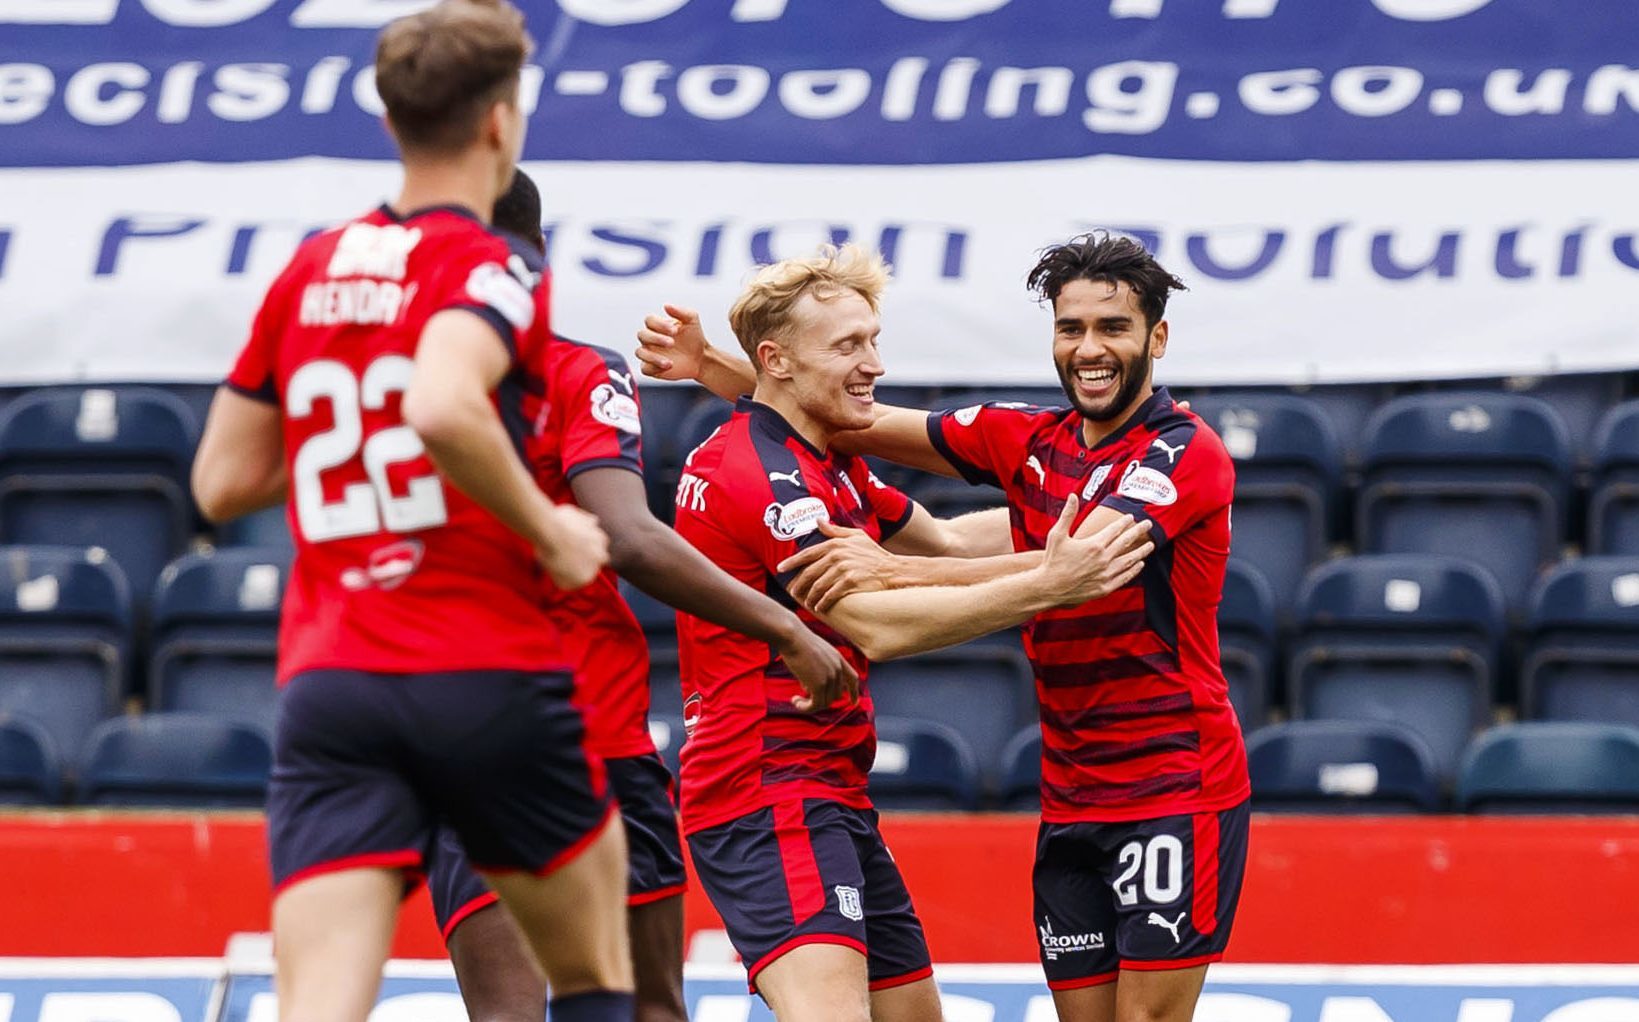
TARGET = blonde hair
x,y
763,310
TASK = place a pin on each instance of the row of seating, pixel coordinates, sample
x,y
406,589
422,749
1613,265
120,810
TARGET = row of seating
x,y
200,761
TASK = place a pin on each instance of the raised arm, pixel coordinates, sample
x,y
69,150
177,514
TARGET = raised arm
x,y
651,556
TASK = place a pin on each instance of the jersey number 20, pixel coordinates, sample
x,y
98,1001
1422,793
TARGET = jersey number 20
x,y
364,507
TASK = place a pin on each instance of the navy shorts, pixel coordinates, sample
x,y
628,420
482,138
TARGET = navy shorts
x,y
1140,894
812,872
365,767
642,786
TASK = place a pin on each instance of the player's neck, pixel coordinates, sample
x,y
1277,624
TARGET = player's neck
x,y
810,430
1094,431
467,182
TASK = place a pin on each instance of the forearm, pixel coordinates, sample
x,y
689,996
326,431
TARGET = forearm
x,y
958,571
899,622
667,567
727,376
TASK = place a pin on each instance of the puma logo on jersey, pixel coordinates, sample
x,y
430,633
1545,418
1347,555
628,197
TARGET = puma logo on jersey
x,y
1171,451
794,477
624,379
1157,919
1041,474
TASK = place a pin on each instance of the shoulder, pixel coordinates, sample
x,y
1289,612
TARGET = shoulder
x,y
1180,427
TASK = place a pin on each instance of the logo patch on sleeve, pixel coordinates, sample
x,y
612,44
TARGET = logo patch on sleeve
x,y
1147,486
612,408
966,416
491,285
798,518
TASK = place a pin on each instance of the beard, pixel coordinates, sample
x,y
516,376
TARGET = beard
x,y
1133,374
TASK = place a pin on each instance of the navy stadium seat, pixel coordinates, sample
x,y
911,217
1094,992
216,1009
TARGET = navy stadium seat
x,y
1288,481
699,424
100,467
1340,766
1579,398
1552,767
175,759
668,733
65,627
1582,652
1405,640
1482,476
922,764
1247,642
1347,406
982,690
1613,496
269,527
658,619
215,629
665,684
1021,771
951,498
665,406
30,771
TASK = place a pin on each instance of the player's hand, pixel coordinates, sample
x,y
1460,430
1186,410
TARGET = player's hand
x,y
849,562
1081,568
823,673
672,346
576,549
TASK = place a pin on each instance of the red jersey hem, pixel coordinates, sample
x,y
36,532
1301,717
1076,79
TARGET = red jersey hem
x,y
1147,811
287,674
1167,965
900,981
638,898
1083,981
772,797
408,860
466,911
620,750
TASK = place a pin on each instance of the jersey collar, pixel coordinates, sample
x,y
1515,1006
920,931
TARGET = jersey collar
x,y
765,418
1157,400
456,208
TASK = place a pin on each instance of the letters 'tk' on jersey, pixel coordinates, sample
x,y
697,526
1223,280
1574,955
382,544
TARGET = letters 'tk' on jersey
x,y
752,495
1135,713
396,571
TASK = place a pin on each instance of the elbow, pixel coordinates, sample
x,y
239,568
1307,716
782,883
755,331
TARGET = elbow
x,y
212,498
878,644
436,418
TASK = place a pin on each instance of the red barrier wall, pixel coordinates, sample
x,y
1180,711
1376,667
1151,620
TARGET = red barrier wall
x,y
1319,889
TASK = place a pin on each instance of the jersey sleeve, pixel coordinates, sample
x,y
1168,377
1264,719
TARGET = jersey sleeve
x,y
500,286
985,443
254,373
890,505
598,401
1184,476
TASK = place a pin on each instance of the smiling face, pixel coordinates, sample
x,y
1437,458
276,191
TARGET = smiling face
x,y
1103,349
822,372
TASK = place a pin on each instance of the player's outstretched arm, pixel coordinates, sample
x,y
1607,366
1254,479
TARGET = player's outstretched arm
x,y
457,365
899,622
661,563
240,464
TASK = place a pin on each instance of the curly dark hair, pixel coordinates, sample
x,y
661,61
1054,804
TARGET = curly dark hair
x,y
518,211
1111,258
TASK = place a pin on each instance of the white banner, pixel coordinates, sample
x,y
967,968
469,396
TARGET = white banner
x,y
1298,273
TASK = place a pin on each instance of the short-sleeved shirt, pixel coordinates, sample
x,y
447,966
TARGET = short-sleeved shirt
x,y
752,495
1136,720
396,571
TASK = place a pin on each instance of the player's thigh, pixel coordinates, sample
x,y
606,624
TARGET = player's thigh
x,y
499,978
1075,914
331,936
1158,996
656,929
783,878
817,983
573,917
1086,1004
917,1001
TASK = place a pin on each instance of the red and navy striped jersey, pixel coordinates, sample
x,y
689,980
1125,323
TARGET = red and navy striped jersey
x,y
585,416
752,495
1135,714
396,571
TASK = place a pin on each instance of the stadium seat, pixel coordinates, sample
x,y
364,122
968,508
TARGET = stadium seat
x,y
658,619
1477,475
665,684
668,734
1613,497
699,424
268,528
65,627
951,498
1247,642
30,772
1400,639
1347,406
922,764
983,691
1043,396
665,407
100,467
1288,478
1330,766
175,759
1552,767
1582,652
215,629
1021,771
1579,398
